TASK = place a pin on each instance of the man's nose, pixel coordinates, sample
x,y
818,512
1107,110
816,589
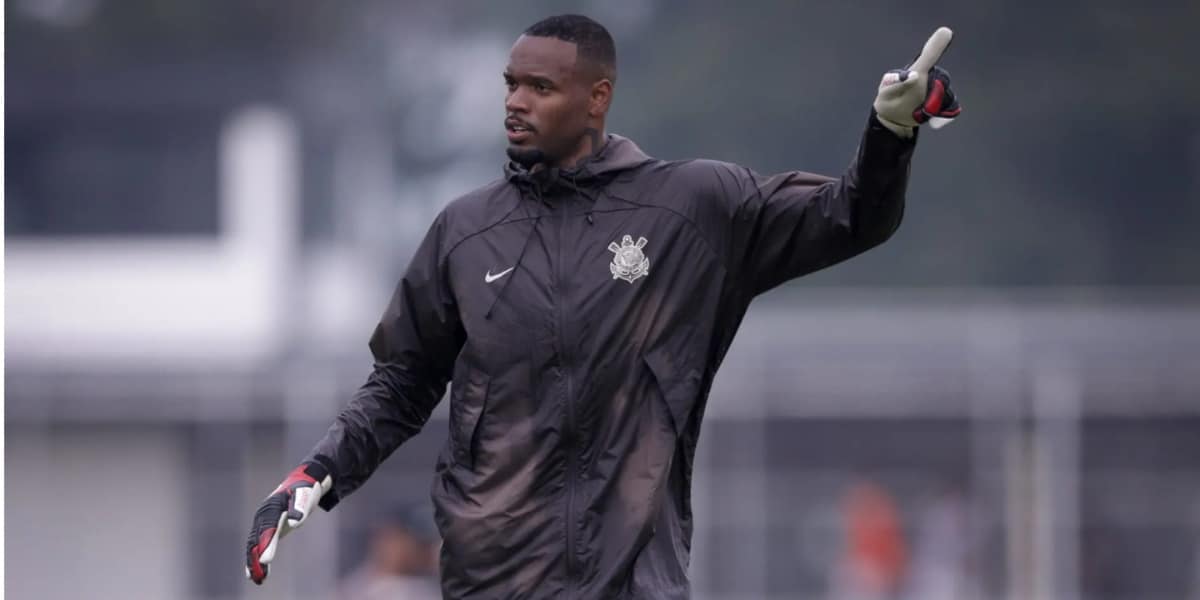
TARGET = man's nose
x,y
516,101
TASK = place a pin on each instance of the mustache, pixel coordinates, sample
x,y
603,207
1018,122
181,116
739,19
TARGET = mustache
x,y
512,121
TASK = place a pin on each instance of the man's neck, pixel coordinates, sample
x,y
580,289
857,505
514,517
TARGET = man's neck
x,y
592,143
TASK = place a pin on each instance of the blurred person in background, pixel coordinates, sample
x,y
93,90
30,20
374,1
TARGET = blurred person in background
x,y
401,561
581,305
875,555
941,549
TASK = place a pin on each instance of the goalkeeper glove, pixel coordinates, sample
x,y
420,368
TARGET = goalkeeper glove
x,y
919,92
284,510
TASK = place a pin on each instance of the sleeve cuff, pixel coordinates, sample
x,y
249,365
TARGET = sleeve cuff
x,y
874,123
331,498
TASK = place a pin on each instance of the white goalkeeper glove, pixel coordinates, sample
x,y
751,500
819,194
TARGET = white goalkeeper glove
x,y
283,511
919,92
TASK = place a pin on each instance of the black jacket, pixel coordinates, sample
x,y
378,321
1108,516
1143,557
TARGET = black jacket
x,y
581,316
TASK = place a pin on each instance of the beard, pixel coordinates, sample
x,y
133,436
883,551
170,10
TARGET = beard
x,y
526,157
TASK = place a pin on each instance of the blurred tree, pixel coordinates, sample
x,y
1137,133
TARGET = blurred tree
x,y
1075,162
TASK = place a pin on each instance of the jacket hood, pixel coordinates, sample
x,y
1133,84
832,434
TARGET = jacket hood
x,y
618,154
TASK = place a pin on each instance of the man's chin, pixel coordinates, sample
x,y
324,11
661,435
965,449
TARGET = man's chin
x,y
526,156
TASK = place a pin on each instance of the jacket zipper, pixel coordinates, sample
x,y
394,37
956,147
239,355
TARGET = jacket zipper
x,y
569,431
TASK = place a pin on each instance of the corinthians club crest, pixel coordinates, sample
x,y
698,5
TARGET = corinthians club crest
x,y
628,263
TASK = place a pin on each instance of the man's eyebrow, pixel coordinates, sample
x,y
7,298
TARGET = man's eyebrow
x,y
530,77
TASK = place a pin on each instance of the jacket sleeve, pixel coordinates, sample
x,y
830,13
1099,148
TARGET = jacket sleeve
x,y
415,345
791,224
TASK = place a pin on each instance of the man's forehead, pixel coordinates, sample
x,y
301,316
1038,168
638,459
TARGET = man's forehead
x,y
544,55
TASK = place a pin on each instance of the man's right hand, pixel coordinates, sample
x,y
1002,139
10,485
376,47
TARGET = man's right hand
x,y
284,510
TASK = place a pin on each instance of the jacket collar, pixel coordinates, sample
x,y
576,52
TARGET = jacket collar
x,y
618,154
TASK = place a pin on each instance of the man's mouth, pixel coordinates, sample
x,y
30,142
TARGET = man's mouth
x,y
518,130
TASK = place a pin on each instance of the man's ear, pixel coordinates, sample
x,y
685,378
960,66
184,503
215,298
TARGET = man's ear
x,y
601,98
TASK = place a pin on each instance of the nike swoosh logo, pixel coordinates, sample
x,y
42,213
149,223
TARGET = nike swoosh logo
x,y
490,278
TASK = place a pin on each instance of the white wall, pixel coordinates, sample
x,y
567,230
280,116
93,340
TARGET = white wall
x,y
101,511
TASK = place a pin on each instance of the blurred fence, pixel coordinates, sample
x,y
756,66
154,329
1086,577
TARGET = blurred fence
x,y
1060,426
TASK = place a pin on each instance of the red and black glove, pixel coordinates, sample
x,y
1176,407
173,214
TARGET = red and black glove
x,y
940,106
920,92
284,510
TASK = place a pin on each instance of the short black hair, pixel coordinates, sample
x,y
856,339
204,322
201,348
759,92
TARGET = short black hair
x,y
593,41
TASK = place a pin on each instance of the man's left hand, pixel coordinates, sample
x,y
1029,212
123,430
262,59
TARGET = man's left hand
x,y
920,92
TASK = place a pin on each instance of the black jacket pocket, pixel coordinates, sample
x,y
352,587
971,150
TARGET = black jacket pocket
x,y
679,387
468,405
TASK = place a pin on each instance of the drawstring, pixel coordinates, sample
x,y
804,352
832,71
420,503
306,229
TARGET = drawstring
x,y
537,193
520,257
589,199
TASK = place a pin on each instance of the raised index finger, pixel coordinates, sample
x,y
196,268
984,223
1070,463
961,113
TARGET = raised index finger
x,y
933,50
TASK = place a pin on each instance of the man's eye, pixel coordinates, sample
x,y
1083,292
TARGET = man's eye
x,y
541,87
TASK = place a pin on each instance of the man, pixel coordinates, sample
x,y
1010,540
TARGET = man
x,y
581,305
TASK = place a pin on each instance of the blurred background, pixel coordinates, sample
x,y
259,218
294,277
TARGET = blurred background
x,y
207,204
